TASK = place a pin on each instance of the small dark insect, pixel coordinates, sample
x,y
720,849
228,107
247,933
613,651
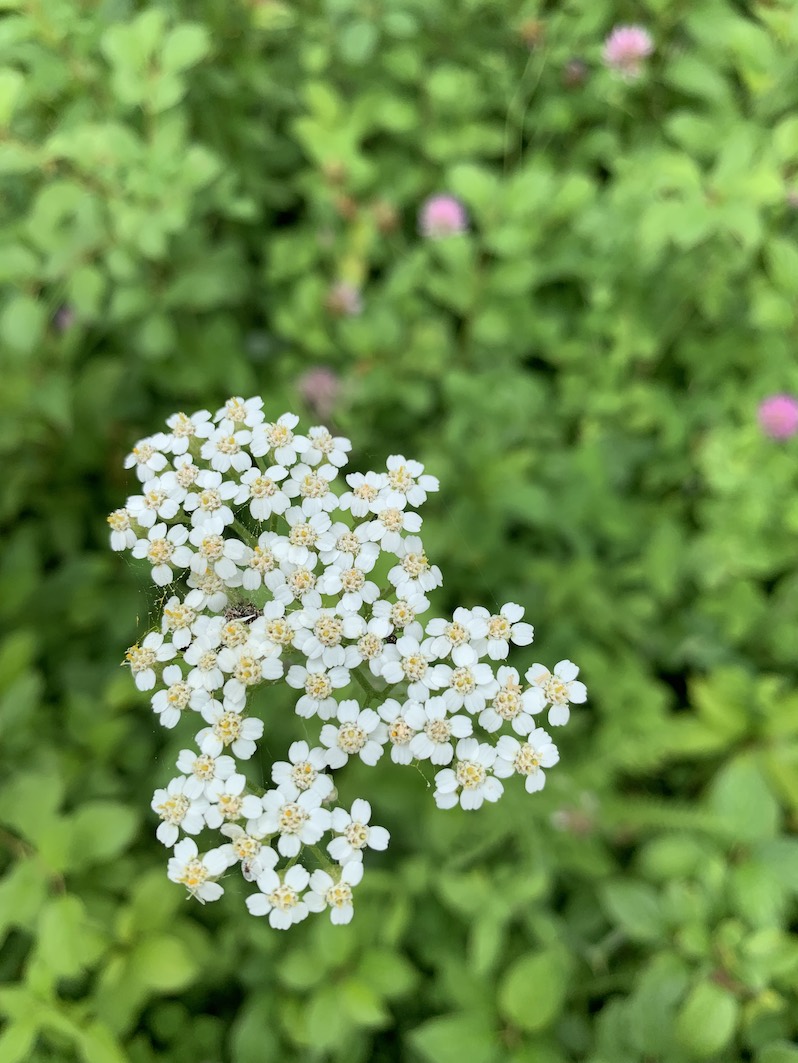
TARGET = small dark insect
x,y
245,611
392,639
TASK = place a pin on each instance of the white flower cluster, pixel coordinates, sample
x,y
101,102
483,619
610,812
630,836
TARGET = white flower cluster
x,y
273,577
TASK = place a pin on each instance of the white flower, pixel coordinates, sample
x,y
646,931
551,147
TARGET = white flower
x,y
147,458
512,704
216,552
360,733
278,438
261,561
122,535
225,449
229,729
464,629
528,758
157,503
304,770
469,684
341,545
264,492
177,810
364,491
164,550
400,731
279,898
407,477
318,683
470,777
325,892
295,583
414,572
325,446
403,612
142,658
351,583
197,872
322,637
312,486
391,520
371,643
203,657
296,815
561,689
303,538
436,729
212,589
246,848
274,629
183,428
174,700
206,773
247,669
355,833
228,804
503,628
241,411
410,660
178,617
211,500
184,475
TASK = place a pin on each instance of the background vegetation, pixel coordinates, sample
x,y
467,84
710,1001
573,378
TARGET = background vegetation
x,y
182,186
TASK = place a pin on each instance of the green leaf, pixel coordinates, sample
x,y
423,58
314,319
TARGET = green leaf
x,y
184,47
98,1045
29,803
62,942
778,1053
363,1004
22,893
327,1023
455,1038
707,1020
11,85
532,992
163,964
389,973
742,799
22,322
17,1041
357,41
635,907
100,830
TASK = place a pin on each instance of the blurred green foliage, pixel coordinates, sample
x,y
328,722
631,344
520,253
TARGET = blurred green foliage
x,y
182,185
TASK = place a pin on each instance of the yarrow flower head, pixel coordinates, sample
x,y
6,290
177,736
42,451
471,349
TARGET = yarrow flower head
x,y
778,416
625,50
442,215
270,568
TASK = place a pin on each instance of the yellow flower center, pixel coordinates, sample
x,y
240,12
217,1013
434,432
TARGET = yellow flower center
x,y
292,818
351,738
470,775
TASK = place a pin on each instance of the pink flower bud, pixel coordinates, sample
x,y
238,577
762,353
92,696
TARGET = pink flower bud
x,y
626,48
320,388
778,416
442,216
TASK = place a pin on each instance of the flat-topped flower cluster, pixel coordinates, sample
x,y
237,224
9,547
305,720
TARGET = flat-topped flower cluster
x,y
271,568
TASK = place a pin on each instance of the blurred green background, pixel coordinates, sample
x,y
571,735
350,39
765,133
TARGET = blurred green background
x,y
185,188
